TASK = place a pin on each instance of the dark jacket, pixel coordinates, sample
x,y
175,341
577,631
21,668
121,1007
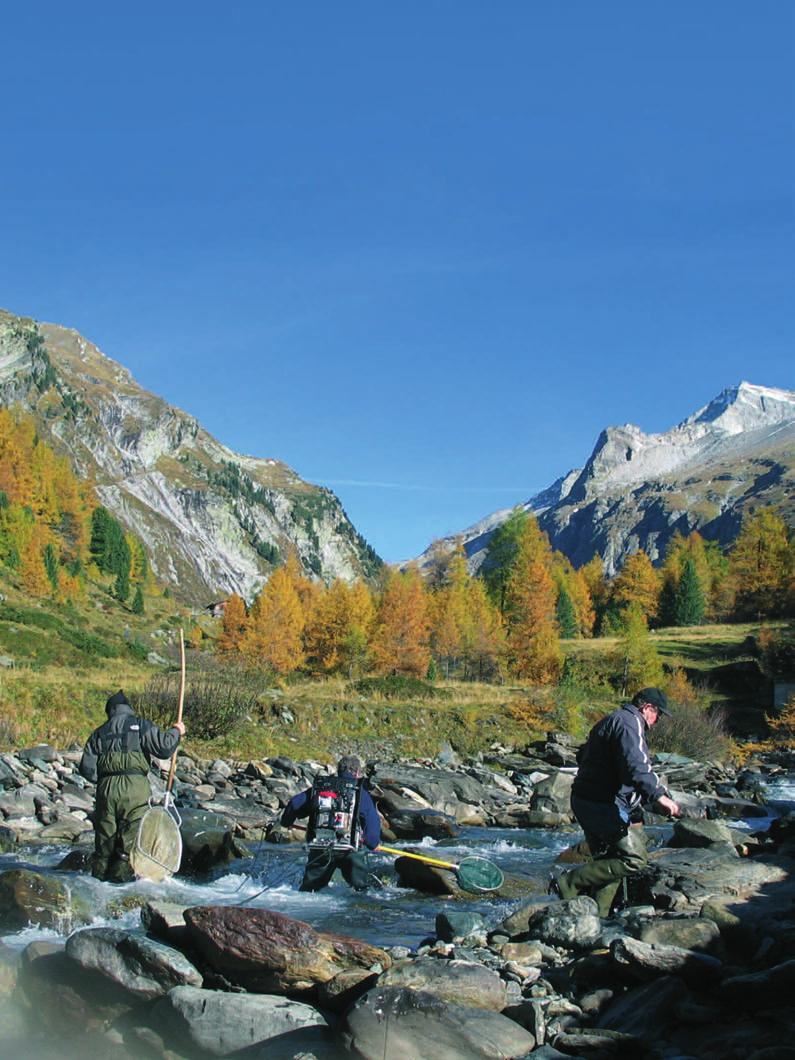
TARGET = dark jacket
x,y
125,744
369,821
614,763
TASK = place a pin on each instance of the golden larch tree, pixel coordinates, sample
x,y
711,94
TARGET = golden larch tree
x,y
233,625
273,634
533,641
401,640
637,583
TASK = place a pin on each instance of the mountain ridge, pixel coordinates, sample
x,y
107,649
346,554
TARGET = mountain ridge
x,y
215,521
637,489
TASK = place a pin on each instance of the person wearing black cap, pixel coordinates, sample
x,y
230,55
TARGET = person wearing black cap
x,y
117,757
614,778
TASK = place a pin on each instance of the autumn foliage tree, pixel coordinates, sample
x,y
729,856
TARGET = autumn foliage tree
x,y
637,584
761,565
401,639
44,512
530,596
233,625
273,633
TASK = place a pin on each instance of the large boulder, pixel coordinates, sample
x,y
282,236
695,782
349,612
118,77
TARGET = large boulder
x,y
267,952
222,1023
462,982
407,1024
145,968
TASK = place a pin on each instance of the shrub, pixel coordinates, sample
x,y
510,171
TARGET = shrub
x,y
138,651
397,686
695,730
215,702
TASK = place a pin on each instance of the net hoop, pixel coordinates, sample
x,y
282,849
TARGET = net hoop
x,y
157,853
478,875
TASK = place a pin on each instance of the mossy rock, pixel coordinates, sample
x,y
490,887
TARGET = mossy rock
x,y
28,897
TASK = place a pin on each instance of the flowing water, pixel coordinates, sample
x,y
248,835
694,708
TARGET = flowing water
x,y
386,914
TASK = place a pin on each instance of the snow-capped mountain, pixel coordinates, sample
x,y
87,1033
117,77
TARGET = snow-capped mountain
x,y
213,521
636,489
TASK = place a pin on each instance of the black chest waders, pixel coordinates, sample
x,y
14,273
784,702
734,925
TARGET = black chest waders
x,y
157,853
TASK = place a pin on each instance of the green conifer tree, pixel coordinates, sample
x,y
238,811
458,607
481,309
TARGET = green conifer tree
x,y
138,601
690,605
566,615
51,566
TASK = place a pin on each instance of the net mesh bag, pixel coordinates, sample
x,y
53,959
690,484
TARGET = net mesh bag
x,y
158,846
479,874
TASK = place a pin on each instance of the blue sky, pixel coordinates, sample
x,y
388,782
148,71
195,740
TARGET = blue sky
x,y
422,252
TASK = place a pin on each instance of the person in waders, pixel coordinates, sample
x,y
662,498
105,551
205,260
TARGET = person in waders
x,y
613,780
342,817
117,757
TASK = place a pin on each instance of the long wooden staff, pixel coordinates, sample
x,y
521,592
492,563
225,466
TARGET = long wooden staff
x,y
180,703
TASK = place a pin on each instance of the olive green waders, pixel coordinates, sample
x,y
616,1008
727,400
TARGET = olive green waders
x,y
602,875
122,799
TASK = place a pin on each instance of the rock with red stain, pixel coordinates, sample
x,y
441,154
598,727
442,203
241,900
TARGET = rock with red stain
x,y
268,952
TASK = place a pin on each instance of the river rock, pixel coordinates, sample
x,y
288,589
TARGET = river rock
x,y
524,953
553,795
67,828
404,1024
28,897
166,921
207,840
647,961
66,1004
574,925
692,933
416,824
339,993
268,952
697,833
766,989
42,752
223,1023
462,982
645,1011
452,925
145,968
518,922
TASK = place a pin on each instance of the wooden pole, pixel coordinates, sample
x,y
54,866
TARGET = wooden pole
x,y
173,768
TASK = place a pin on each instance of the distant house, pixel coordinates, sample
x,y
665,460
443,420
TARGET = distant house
x,y
217,609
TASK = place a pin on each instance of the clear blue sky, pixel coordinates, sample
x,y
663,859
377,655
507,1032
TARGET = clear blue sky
x,y
421,251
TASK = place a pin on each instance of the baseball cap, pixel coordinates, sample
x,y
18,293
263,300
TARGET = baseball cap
x,y
656,697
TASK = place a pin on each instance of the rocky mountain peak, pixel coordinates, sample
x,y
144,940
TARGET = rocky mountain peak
x,y
215,521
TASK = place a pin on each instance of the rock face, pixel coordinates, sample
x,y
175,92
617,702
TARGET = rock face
x,y
215,521
636,490
405,1024
267,952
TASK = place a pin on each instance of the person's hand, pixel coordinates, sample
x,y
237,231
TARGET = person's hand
x,y
180,727
672,808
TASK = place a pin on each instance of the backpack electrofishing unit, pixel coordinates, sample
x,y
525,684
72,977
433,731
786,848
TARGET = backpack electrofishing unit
x,y
334,813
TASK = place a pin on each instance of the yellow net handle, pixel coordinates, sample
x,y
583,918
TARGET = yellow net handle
x,y
418,857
